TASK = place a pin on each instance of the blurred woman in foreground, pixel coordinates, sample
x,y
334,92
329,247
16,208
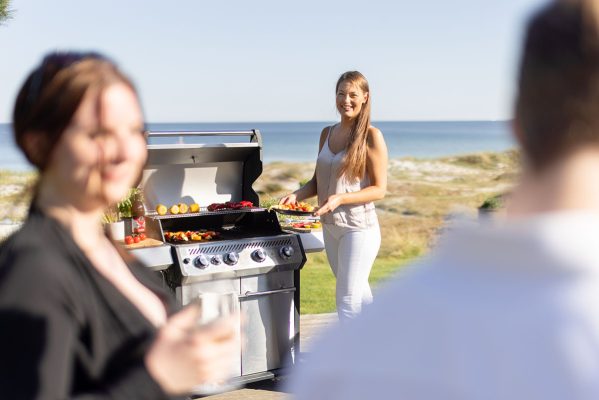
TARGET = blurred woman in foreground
x,y
79,318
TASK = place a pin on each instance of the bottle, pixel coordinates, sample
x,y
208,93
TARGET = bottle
x,y
138,212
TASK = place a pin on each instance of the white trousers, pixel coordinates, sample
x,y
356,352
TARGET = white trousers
x,y
351,253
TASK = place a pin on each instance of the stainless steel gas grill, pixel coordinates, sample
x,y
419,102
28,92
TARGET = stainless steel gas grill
x,y
248,253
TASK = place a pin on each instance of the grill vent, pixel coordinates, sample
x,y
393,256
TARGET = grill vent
x,y
238,247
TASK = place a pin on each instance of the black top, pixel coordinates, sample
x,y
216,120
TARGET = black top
x,y
66,332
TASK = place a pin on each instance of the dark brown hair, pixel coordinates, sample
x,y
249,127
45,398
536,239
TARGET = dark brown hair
x,y
52,94
353,165
557,107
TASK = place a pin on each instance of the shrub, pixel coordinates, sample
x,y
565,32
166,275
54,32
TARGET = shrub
x,y
492,203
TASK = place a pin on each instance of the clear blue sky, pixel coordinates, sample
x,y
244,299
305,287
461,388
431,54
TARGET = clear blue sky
x,y
277,60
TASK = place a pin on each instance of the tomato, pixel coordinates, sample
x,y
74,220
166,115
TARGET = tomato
x,y
142,236
136,239
128,240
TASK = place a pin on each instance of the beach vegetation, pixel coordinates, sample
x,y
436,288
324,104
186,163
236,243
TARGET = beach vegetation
x,y
492,203
487,160
273,187
302,182
16,191
423,197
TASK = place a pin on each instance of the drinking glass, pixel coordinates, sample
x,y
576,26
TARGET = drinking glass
x,y
214,306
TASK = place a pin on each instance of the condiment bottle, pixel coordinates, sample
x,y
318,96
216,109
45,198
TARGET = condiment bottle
x,y
138,212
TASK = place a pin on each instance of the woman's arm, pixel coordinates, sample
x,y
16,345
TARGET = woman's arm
x,y
376,168
309,188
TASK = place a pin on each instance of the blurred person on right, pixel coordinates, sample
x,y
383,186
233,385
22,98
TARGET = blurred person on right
x,y
509,311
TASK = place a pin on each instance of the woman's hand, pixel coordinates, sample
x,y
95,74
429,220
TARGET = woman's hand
x,y
184,355
331,204
291,198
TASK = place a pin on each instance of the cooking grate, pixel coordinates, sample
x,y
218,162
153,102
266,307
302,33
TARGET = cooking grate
x,y
203,212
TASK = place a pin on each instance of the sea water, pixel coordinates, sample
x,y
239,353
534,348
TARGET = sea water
x,y
298,141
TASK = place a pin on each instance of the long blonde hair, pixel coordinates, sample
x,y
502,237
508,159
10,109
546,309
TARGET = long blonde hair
x,y
353,165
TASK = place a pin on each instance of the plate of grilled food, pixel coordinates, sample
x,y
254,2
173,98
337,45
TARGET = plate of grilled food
x,y
303,226
299,208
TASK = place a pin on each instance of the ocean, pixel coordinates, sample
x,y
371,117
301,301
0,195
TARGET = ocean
x,y
298,141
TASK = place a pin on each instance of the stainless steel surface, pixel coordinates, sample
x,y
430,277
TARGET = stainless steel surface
x,y
312,242
188,293
270,312
271,320
202,173
251,258
157,258
206,184
249,294
201,269
200,133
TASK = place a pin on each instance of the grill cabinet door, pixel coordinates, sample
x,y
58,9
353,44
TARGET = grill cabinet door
x,y
267,304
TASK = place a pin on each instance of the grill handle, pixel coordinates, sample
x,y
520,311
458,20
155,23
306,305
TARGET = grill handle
x,y
249,295
254,134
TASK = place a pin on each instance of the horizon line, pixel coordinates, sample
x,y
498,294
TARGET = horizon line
x,y
315,121
326,121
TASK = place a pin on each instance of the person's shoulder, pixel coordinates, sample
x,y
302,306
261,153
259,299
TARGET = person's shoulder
x,y
324,134
375,136
373,130
325,131
35,239
32,257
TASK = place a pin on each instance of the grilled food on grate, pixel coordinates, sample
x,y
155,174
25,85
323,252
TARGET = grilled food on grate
x,y
190,236
230,205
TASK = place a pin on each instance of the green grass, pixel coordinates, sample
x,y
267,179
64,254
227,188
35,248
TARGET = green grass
x,y
318,282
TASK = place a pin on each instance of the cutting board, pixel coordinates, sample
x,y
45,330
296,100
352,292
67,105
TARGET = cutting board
x,y
149,242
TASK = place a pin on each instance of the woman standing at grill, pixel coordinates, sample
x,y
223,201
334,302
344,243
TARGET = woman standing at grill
x,y
79,318
351,173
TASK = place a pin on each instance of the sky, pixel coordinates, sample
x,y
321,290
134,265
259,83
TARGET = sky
x,y
277,60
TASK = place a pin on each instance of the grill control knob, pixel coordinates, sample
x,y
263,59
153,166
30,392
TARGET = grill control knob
x,y
216,260
232,258
201,261
287,251
186,260
259,255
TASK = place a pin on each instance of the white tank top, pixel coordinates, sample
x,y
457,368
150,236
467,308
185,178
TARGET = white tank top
x,y
360,216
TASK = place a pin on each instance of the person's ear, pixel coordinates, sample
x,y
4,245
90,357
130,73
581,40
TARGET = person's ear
x,y
366,97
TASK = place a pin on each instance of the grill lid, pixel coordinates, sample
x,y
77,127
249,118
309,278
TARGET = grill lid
x,y
202,173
